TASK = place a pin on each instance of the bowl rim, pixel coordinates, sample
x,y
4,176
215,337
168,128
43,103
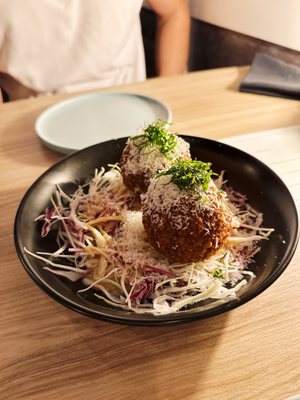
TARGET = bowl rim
x,y
131,318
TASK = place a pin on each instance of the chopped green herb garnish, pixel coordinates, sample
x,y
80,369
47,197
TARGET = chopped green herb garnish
x,y
187,174
156,134
218,273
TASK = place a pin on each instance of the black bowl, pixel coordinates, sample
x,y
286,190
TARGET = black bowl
x,y
264,189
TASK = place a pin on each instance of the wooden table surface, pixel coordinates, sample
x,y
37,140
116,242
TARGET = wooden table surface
x,y
51,352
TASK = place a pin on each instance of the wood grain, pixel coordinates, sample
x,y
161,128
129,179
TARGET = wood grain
x,y
50,352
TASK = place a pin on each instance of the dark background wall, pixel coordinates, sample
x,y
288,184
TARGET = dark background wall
x,y
214,47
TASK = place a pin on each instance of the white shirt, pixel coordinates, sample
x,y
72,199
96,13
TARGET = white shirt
x,y
50,46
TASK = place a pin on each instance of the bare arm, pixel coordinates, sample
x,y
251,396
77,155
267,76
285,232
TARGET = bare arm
x,y
1,96
172,37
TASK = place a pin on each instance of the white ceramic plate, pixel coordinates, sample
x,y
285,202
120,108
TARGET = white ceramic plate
x,y
85,120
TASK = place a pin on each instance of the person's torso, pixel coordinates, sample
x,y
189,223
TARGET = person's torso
x,y
71,45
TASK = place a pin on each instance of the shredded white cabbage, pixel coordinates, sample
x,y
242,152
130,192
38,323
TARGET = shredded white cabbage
x,y
101,240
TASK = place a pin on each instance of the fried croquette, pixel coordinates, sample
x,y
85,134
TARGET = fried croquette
x,y
185,216
146,154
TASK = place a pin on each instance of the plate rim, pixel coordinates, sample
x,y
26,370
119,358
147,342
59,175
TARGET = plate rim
x,y
54,145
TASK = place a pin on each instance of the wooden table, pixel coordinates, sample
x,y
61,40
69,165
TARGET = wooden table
x,y
50,352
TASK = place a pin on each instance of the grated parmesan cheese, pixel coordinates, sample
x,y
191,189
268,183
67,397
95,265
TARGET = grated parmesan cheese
x,y
149,160
163,197
132,245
